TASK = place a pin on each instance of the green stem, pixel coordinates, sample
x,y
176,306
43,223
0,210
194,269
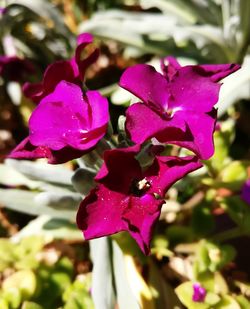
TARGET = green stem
x,y
229,234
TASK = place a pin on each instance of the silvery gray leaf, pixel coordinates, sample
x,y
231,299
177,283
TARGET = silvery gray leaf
x,y
25,201
102,282
42,171
58,200
83,180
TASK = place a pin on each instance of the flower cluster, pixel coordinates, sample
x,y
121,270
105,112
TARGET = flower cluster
x,y
176,107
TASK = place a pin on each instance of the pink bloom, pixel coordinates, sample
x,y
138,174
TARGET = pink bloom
x,y
66,124
128,198
2,11
177,106
72,70
199,293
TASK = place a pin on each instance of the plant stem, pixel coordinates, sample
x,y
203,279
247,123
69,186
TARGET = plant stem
x,y
229,234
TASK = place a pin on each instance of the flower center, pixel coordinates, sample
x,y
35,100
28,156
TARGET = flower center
x,y
139,187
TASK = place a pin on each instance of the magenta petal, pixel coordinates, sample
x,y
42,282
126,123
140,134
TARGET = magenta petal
x,y
193,91
25,150
147,84
141,216
104,212
165,171
186,129
99,213
56,72
120,164
125,200
65,118
171,68
139,116
83,40
198,136
218,71
199,293
33,91
98,108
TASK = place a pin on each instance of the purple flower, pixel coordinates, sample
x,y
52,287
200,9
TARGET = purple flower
x,y
2,11
245,192
128,198
199,293
177,106
15,69
66,124
72,70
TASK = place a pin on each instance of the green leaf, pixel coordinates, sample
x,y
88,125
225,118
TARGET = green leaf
x,y
53,282
235,174
227,302
13,297
202,220
3,303
77,295
210,257
212,299
23,280
7,256
79,299
160,246
30,305
239,211
163,293
243,301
